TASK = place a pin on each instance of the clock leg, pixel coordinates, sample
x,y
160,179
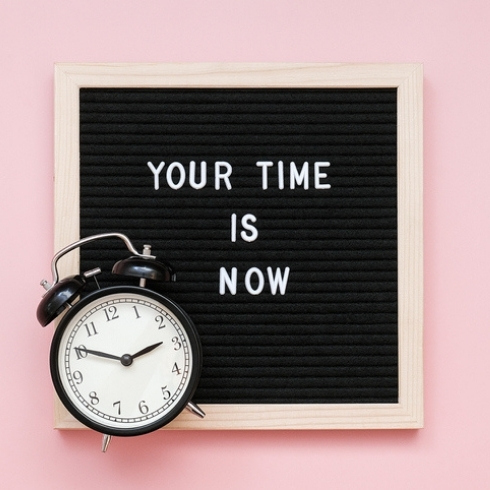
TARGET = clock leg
x,y
195,409
105,442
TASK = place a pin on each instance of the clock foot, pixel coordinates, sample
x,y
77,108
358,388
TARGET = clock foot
x,y
195,409
105,442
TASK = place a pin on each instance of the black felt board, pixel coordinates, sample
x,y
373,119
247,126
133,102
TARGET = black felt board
x,y
333,336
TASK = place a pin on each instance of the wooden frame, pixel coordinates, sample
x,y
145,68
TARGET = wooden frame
x,y
408,80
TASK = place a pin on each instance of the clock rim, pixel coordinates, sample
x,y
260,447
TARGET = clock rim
x,y
188,392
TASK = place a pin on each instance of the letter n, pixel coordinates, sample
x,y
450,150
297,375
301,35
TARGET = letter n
x,y
225,280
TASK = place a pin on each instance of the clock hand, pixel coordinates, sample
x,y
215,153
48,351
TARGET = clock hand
x,y
97,353
127,359
146,350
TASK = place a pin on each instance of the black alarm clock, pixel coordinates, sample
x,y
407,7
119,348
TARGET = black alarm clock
x,y
124,360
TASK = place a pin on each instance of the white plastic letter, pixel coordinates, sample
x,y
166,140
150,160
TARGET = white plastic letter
x,y
264,165
278,280
260,277
225,176
251,228
170,170
226,280
280,174
321,175
156,173
192,175
233,227
298,178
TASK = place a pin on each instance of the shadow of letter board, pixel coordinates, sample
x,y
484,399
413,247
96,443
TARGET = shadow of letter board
x,y
289,200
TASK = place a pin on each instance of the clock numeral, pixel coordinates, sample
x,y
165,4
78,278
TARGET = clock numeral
x,y
165,393
143,407
177,343
176,369
160,320
78,377
136,311
111,313
94,400
91,330
81,352
118,407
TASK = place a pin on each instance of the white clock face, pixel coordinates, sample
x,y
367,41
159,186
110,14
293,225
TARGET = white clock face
x,y
125,361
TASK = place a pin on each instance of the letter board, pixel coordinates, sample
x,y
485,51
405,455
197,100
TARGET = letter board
x,y
281,195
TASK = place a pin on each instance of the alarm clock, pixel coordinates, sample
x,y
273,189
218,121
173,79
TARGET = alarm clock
x,y
124,360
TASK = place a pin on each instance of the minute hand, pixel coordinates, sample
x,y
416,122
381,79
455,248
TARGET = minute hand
x,y
146,350
97,353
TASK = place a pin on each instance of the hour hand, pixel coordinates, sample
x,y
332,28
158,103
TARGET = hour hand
x,y
146,350
97,353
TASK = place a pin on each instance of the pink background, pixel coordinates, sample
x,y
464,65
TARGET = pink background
x,y
452,39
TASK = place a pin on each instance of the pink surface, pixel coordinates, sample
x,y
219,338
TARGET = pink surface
x,y
452,39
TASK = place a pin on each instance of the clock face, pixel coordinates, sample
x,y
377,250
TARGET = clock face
x,y
125,360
